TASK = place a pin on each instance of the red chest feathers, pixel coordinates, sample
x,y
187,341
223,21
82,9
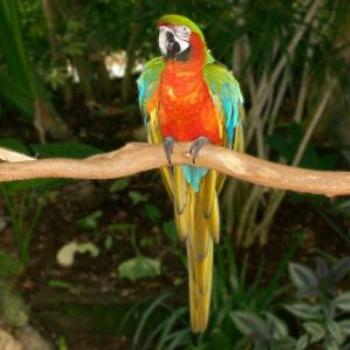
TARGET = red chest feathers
x,y
186,108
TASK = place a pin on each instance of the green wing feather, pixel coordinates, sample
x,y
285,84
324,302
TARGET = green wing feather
x,y
227,95
148,82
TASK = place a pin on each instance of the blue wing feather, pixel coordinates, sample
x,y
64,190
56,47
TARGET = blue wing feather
x,y
148,81
226,93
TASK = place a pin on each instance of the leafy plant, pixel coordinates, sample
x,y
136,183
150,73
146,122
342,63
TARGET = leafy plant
x,y
265,332
9,266
90,222
24,210
13,310
231,291
322,307
139,267
24,201
119,185
65,286
19,82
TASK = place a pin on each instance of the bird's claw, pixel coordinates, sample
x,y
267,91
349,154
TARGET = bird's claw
x,y
196,147
168,148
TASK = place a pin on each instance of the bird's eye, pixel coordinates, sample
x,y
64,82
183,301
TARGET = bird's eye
x,y
184,30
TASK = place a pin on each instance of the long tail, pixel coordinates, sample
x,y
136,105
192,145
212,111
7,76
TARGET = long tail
x,y
198,224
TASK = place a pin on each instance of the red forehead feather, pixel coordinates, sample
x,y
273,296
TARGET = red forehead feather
x,y
162,23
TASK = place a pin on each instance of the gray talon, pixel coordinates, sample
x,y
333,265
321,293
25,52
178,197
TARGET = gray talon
x,y
168,148
196,147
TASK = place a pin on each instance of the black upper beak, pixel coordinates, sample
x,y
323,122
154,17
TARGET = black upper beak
x,y
173,47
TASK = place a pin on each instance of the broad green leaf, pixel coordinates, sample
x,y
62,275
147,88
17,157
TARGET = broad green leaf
x,y
302,342
280,329
65,149
19,83
341,268
345,326
331,345
248,323
169,229
14,144
11,91
335,331
342,301
153,213
90,222
304,311
137,197
315,330
13,309
302,276
139,267
108,242
65,285
60,284
119,185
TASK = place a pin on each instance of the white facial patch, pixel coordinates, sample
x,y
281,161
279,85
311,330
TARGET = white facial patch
x,y
182,32
162,40
181,35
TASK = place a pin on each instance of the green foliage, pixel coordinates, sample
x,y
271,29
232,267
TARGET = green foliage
x,y
152,212
285,142
322,309
139,267
65,286
62,344
65,149
19,84
231,291
21,201
91,221
9,266
268,332
24,210
13,311
137,197
119,185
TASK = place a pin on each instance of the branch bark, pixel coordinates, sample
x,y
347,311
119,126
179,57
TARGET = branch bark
x,y
139,157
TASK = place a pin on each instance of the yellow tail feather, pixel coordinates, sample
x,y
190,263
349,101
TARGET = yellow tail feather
x,y
198,222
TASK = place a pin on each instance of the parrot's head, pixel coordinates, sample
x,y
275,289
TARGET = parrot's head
x,y
179,37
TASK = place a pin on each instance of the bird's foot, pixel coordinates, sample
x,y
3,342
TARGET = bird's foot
x,y
196,147
168,148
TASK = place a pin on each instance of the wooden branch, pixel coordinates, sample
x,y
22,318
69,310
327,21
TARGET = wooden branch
x,y
139,157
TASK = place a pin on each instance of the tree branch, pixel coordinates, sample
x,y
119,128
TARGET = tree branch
x,y
139,157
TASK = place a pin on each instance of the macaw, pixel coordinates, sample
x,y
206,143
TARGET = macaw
x,y
186,96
